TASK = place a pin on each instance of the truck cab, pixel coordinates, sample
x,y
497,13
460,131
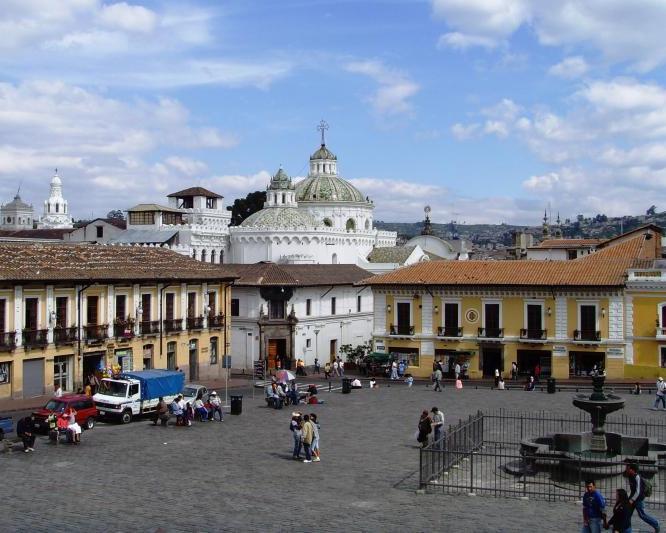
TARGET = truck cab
x,y
119,398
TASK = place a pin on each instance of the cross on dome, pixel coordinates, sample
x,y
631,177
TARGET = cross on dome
x,y
323,127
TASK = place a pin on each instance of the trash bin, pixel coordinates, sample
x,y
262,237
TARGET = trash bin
x,y
236,404
551,385
346,385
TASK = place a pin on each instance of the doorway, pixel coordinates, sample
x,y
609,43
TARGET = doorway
x,y
334,350
584,363
277,353
62,372
194,359
33,378
491,359
148,353
527,361
92,364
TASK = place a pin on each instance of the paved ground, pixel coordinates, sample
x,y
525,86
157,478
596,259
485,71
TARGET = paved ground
x,y
239,475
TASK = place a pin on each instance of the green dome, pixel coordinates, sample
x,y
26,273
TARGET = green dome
x,y
280,181
327,189
323,153
280,218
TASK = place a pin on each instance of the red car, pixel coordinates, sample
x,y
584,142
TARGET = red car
x,y
86,412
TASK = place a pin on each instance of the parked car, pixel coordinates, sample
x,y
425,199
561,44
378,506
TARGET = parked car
x,y
86,412
192,390
6,426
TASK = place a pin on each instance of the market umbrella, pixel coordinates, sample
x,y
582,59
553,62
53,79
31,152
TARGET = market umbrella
x,y
284,376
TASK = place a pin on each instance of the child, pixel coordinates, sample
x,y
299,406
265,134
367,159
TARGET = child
x,y
373,383
409,380
637,388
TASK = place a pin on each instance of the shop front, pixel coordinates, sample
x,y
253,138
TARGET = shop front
x,y
586,363
492,358
124,360
63,372
451,358
529,360
94,363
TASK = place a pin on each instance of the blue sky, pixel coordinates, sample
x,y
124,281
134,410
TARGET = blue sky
x,y
488,110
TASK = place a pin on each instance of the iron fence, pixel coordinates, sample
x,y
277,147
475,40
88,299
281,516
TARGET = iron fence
x,y
483,455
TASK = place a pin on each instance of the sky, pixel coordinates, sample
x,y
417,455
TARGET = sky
x,y
486,110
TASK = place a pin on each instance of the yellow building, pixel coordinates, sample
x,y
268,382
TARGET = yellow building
x,y
71,310
566,317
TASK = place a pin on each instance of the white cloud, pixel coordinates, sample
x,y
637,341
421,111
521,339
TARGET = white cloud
x,y
127,17
239,184
462,41
622,31
569,68
464,131
392,97
546,182
187,166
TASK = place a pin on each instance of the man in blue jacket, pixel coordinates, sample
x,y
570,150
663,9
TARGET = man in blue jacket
x,y
637,496
593,508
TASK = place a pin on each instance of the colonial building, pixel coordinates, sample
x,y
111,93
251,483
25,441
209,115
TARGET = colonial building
x,y
56,212
99,230
69,310
604,309
16,215
562,249
281,313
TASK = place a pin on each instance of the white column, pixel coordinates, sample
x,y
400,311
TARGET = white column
x,y
379,302
426,315
561,332
615,319
204,303
183,304
629,329
110,308
136,300
18,314
50,307
77,313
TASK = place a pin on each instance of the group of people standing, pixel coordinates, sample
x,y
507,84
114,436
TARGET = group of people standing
x,y
594,504
305,433
430,423
336,369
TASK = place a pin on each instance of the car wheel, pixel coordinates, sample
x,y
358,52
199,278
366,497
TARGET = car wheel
x,y
126,417
2,435
90,422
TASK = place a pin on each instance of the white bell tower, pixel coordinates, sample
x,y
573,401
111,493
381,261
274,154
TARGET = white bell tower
x,y
56,212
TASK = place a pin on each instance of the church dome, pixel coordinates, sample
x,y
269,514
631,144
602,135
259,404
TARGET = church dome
x,y
279,218
56,180
327,188
323,153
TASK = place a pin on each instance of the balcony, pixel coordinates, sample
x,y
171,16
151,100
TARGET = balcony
x,y
173,324
450,331
195,322
584,335
402,329
123,329
35,338
7,341
63,336
533,334
216,321
661,333
491,333
96,333
149,327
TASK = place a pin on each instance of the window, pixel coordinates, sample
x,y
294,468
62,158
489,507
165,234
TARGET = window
x,y
57,208
211,303
411,355
213,350
662,357
191,304
169,305
141,218
308,307
358,303
172,218
100,231
308,343
31,307
534,324
61,311
145,305
211,203
588,319
3,315
328,223
333,305
276,309
350,225
404,317
451,323
5,373
571,254
121,307
492,320
188,203
134,389
235,307
171,355
334,259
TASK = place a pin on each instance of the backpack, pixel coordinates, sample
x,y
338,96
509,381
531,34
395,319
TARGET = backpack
x,y
647,487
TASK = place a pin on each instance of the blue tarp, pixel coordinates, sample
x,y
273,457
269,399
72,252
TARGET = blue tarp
x,y
156,383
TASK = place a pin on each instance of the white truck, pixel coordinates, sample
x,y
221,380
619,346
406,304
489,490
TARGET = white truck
x,y
136,393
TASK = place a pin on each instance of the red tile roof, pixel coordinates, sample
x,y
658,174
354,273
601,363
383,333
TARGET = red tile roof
x,y
194,191
272,274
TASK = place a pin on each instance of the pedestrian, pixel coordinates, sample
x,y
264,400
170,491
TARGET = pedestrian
x,y
497,377
316,365
177,410
424,429
188,414
327,371
161,412
661,394
87,390
438,380
514,371
409,380
57,390
307,435
529,385
73,426
537,373
622,511
216,406
637,388
93,382
295,428
200,408
402,365
293,394
315,441
456,371
336,371
394,370
500,384
341,367
26,430
640,489
437,423
593,508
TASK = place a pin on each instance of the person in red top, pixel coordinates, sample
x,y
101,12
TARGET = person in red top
x,y
537,372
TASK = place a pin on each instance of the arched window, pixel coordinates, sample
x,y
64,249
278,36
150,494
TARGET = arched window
x,y
212,256
213,350
284,198
367,224
203,255
328,223
334,259
57,208
351,225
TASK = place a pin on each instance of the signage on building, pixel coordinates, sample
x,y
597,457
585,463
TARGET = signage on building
x,y
259,369
616,353
226,361
559,351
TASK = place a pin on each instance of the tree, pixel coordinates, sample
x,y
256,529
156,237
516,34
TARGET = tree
x,y
244,207
652,211
116,214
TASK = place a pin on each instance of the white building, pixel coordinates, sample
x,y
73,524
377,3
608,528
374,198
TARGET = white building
x,y
56,213
99,230
562,249
289,312
16,215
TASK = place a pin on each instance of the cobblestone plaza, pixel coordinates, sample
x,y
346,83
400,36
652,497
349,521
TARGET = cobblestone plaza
x,y
239,475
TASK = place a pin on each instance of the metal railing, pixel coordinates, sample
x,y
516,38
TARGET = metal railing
x,y
587,335
173,324
216,321
35,338
402,329
534,334
123,329
7,341
96,332
492,454
195,322
149,327
491,333
63,335
449,331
